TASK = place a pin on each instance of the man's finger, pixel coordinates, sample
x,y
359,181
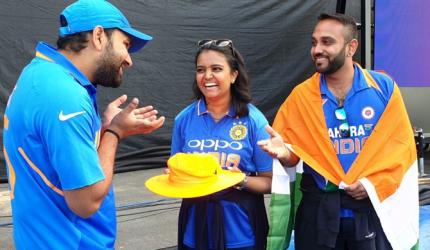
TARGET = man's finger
x,y
263,143
145,110
159,122
155,124
356,191
131,106
151,122
146,115
119,101
145,127
352,187
271,131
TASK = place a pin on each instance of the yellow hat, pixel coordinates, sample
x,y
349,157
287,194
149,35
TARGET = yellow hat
x,y
193,175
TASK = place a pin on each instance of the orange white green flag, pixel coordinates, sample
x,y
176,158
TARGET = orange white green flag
x,y
283,204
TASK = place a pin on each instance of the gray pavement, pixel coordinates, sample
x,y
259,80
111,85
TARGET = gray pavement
x,y
145,221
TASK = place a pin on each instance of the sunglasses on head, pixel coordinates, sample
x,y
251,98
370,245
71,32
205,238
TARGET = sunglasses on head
x,y
218,43
344,126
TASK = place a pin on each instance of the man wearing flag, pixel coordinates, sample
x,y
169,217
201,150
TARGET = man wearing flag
x,y
350,129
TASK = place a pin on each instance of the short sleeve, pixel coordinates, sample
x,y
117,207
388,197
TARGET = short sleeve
x,y
261,159
177,138
69,124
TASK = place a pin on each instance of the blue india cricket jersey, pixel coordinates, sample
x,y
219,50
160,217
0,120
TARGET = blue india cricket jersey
x,y
364,105
233,140
51,135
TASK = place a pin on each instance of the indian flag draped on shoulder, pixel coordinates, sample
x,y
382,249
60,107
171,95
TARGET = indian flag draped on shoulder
x,y
386,166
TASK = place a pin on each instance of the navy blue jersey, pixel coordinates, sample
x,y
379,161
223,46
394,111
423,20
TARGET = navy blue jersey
x,y
363,107
233,140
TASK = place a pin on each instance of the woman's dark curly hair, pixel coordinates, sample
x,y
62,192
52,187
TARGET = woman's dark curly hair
x,y
240,90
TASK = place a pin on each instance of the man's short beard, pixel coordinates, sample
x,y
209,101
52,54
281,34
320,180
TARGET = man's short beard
x,y
107,72
333,65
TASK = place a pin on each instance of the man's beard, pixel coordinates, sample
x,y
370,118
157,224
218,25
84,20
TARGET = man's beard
x,y
107,73
333,65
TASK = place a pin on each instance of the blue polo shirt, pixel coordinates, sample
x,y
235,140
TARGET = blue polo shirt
x,y
364,105
233,140
51,135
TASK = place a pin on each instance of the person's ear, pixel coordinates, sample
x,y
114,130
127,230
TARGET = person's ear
x,y
352,47
234,75
98,37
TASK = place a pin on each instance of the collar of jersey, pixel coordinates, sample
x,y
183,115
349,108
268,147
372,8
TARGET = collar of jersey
x,y
202,109
49,53
358,84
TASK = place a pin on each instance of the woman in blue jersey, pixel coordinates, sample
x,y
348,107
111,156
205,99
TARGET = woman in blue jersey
x,y
222,122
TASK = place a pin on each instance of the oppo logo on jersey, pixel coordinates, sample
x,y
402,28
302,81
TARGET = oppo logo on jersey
x,y
204,145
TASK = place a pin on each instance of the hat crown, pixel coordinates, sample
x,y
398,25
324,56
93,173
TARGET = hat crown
x,y
85,15
193,175
193,168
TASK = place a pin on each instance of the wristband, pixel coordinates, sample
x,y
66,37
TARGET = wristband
x,y
242,185
114,133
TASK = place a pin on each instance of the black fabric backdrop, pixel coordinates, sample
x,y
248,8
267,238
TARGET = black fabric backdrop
x,y
272,35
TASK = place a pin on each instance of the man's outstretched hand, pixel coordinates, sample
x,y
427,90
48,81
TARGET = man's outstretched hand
x,y
275,145
131,120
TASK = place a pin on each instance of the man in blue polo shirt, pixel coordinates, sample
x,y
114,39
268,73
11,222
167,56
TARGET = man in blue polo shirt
x,y
350,128
59,154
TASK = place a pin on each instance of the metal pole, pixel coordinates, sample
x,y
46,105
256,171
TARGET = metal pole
x,y
366,33
420,149
340,6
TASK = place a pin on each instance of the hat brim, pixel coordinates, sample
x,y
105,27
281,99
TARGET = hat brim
x,y
162,185
138,38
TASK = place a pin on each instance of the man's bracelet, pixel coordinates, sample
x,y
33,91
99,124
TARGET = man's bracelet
x,y
114,133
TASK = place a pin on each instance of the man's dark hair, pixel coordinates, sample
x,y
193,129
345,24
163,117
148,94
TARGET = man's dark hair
x,y
78,41
347,21
240,89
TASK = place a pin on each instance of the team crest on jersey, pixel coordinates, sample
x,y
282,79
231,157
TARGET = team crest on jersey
x,y
238,131
368,113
